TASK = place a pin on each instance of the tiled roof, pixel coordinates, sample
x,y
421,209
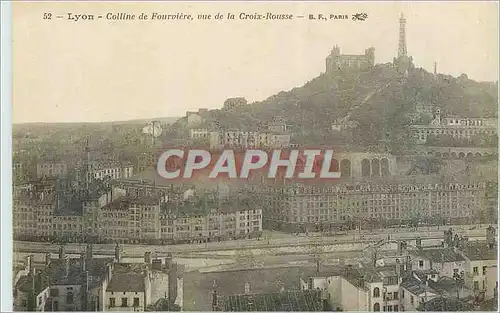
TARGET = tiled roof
x,y
446,285
439,255
422,275
303,300
125,202
416,287
28,282
441,304
480,251
96,267
127,282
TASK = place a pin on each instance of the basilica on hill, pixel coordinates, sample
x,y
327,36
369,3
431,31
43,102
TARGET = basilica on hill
x,y
336,61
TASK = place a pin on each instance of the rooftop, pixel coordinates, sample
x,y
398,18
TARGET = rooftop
x,y
441,304
292,301
447,286
480,251
422,275
96,267
28,282
127,282
442,255
416,287
125,202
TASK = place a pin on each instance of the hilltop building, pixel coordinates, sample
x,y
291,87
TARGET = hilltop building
x,y
455,127
336,61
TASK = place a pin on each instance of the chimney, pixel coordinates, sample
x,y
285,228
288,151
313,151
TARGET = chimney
x,y
398,268
47,259
29,263
348,271
418,243
90,251
408,265
247,287
490,235
361,281
85,293
62,254
66,265
118,253
318,266
168,261
83,261
147,257
109,271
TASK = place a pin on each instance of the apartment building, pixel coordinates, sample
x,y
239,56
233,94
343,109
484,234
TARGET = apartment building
x,y
359,288
129,218
33,216
205,220
301,207
129,288
445,261
481,266
456,127
68,226
111,170
246,139
51,169
199,133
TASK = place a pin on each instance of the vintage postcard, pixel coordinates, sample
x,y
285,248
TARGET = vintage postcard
x,y
254,156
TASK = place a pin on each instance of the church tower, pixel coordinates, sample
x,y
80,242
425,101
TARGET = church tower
x,y
402,37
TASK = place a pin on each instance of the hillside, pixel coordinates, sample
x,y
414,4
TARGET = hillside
x,y
378,99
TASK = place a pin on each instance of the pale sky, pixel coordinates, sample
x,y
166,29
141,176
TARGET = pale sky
x,y
91,71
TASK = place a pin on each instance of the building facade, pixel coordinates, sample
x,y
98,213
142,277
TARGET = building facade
x,y
308,207
336,61
51,169
244,139
455,127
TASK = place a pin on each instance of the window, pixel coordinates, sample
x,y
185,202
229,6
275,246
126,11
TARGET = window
x,y
396,308
411,299
402,294
112,302
389,308
396,296
474,270
136,302
476,285
69,298
376,293
124,302
484,270
484,285
388,296
54,292
24,303
420,263
376,307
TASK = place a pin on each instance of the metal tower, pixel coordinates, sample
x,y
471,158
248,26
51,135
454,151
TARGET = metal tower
x,y
402,37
